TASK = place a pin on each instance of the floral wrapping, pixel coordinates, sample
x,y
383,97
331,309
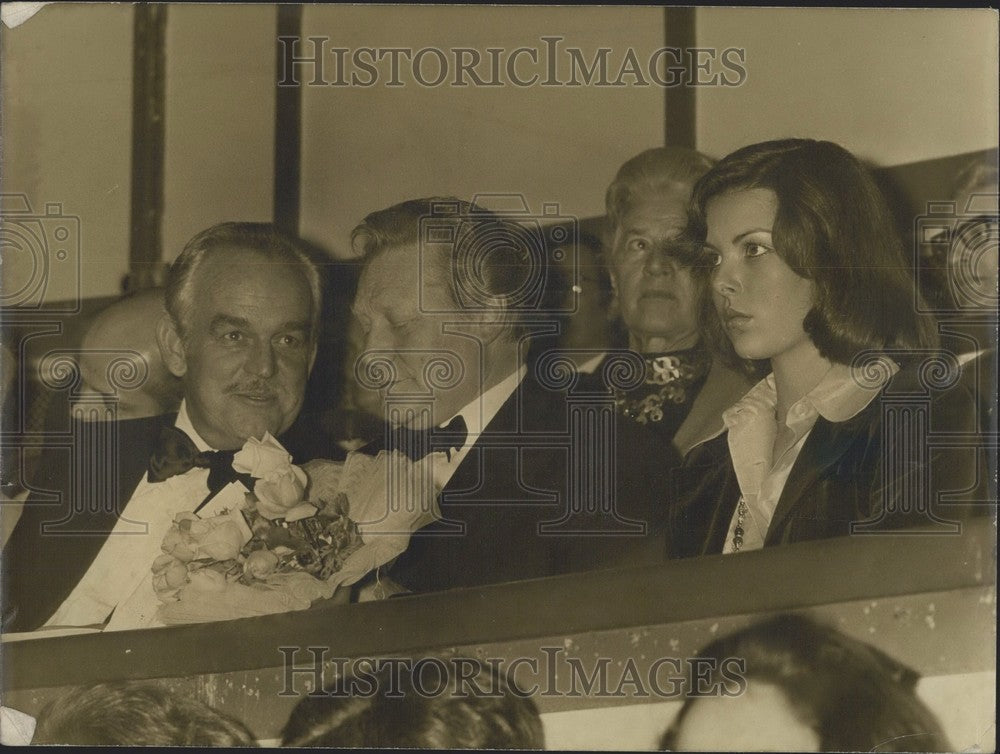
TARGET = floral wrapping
x,y
302,534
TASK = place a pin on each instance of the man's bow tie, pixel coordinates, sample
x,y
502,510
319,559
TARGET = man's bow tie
x,y
418,443
175,453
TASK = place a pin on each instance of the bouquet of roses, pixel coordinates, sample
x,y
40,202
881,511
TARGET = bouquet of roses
x,y
300,534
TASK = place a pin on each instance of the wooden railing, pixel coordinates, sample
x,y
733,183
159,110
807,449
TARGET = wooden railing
x,y
928,600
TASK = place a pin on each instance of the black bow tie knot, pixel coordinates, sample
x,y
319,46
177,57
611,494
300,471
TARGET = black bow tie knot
x,y
418,443
175,453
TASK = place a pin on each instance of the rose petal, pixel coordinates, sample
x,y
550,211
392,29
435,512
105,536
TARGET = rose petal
x,y
183,552
162,562
280,492
223,542
260,458
207,580
171,540
260,563
176,575
302,510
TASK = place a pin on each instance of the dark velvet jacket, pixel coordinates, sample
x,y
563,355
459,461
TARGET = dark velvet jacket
x,y
912,460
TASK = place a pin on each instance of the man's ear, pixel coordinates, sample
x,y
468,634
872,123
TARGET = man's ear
x,y
312,354
171,346
493,321
614,305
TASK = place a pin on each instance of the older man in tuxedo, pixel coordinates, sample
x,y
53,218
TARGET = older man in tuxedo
x,y
447,301
242,305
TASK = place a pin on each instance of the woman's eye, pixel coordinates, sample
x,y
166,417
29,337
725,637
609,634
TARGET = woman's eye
x,y
753,249
233,336
711,258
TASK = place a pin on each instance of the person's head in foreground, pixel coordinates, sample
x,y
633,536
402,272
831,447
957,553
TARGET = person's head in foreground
x,y
805,267
649,257
452,704
243,303
806,687
136,714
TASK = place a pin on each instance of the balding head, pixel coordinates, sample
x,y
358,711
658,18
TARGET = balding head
x,y
129,325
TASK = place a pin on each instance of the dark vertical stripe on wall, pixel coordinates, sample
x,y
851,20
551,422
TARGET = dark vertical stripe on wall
x,y
148,77
287,128
679,118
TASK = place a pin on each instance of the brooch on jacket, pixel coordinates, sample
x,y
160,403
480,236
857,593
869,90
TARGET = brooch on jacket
x,y
668,382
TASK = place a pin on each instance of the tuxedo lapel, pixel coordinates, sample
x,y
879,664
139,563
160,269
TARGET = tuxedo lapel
x,y
43,565
135,440
500,494
134,463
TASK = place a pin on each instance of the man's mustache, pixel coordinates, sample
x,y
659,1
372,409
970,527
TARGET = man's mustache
x,y
255,389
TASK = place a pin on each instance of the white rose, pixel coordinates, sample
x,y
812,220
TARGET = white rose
x,y
300,511
207,580
261,458
222,542
280,492
324,478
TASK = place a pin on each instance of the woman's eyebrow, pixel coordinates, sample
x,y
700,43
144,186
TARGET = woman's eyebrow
x,y
740,236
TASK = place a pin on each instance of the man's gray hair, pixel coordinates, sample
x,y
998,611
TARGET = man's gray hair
x,y
258,238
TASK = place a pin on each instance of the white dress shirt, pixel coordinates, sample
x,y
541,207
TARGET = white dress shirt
x,y
124,562
763,459
477,415
589,366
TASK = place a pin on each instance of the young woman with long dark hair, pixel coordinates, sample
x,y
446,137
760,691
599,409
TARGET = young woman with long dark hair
x,y
806,281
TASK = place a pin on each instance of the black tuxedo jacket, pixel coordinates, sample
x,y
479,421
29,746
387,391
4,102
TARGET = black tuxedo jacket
x,y
843,474
507,510
53,545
